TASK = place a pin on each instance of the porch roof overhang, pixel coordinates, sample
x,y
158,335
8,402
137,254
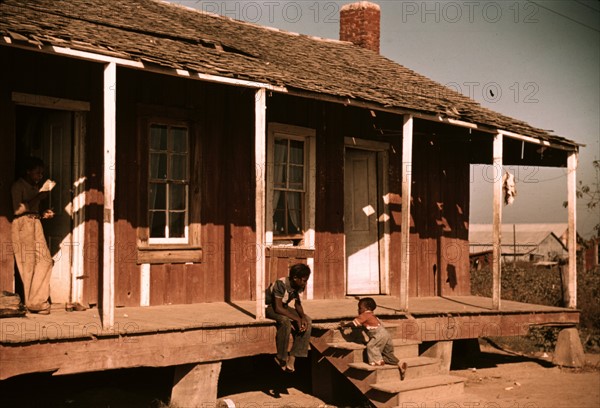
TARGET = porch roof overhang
x,y
346,101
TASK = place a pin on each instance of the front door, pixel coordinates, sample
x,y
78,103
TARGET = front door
x,y
360,222
48,134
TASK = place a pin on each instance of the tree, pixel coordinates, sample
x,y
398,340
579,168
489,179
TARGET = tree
x,y
591,194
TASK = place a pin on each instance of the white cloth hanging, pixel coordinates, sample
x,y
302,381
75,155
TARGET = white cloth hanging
x,y
510,188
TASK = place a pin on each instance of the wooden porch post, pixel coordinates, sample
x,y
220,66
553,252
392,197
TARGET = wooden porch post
x,y
108,262
260,157
572,230
497,222
407,141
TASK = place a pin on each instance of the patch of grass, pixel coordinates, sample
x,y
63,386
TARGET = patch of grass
x,y
543,286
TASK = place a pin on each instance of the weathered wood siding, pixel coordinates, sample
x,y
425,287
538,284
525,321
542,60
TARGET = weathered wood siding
x,y
439,253
222,124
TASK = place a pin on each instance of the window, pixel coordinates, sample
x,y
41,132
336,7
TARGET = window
x,y
288,187
168,183
290,192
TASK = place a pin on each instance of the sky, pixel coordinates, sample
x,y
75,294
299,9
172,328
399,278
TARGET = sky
x,y
540,58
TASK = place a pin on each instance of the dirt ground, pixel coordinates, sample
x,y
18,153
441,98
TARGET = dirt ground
x,y
496,380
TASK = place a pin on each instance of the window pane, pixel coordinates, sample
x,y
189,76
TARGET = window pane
x,y
157,197
179,136
296,152
294,207
279,215
158,137
176,224
280,151
279,176
177,197
296,177
294,226
158,166
178,167
157,224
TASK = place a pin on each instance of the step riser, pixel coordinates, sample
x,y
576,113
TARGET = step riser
x,y
406,350
412,373
359,356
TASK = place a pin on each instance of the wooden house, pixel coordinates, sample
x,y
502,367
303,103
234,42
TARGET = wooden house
x,y
197,157
522,242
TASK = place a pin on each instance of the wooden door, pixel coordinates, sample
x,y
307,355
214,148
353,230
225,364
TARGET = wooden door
x,y
360,222
57,156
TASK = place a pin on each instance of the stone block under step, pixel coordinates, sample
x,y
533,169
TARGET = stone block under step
x,y
417,390
418,367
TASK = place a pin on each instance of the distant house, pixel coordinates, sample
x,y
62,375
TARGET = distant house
x,y
520,242
591,258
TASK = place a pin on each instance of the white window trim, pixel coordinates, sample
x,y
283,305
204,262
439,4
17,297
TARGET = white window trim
x,y
186,238
308,136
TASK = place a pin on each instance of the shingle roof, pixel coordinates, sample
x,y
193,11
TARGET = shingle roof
x,y
172,36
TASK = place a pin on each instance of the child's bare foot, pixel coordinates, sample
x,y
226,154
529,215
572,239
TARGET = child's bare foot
x,y
377,363
289,367
402,367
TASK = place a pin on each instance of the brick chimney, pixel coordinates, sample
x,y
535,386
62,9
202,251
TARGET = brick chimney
x,y
359,24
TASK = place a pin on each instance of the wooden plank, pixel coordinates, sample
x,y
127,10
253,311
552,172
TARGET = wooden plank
x,y
194,288
432,217
572,162
7,170
260,162
289,252
179,255
176,284
145,285
155,350
79,208
48,102
195,385
110,118
158,284
497,222
407,142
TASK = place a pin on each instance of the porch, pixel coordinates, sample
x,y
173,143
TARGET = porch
x,y
159,336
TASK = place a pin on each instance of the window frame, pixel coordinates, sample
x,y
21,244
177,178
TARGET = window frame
x,y
186,228
307,135
164,253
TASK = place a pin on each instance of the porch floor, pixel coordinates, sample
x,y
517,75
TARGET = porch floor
x,y
63,325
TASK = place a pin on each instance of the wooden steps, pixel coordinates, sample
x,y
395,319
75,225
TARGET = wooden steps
x,y
417,367
424,379
416,390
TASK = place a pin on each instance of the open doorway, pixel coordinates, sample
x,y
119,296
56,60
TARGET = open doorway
x,y
48,134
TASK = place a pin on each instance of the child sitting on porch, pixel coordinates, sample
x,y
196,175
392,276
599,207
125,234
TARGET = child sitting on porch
x,y
380,349
278,296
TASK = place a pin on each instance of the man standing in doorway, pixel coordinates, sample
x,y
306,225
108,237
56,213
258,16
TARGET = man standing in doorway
x,y
31,251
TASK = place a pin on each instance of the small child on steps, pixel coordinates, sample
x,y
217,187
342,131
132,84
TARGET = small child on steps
x,y
380,349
